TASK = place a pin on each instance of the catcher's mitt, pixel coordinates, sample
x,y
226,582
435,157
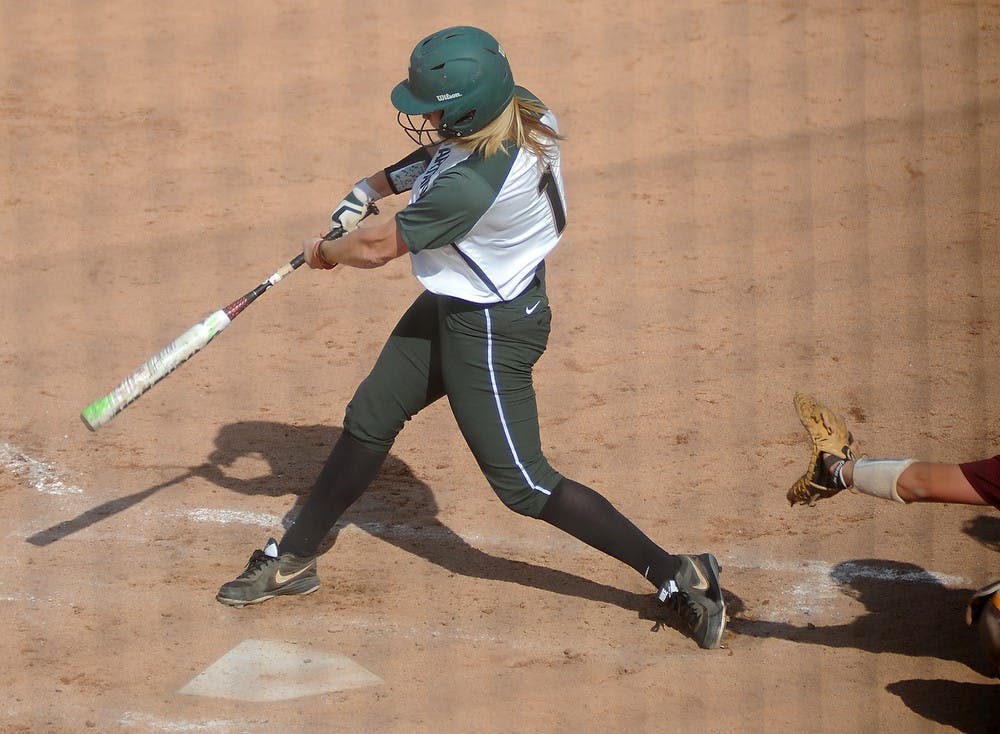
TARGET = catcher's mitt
x,y
829,435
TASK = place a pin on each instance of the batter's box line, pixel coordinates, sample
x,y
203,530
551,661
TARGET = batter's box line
x,y
39,474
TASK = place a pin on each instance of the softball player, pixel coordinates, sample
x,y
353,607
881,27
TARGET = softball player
x,y
486,207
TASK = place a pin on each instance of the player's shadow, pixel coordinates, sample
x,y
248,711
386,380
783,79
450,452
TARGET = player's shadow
x,y
971,708
398,508
985,529
908,611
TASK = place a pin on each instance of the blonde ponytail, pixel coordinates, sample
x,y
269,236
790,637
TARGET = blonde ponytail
x,y
519,123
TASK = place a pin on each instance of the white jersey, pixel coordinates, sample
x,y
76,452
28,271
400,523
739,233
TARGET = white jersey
x,y
478,228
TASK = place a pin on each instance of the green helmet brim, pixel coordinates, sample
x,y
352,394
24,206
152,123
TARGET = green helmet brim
x,y
408,103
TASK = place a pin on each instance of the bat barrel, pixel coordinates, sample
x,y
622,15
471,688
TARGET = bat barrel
x,y
96,414
155,369
102,410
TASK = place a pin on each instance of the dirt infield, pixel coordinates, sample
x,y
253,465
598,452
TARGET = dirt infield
x,y
763,197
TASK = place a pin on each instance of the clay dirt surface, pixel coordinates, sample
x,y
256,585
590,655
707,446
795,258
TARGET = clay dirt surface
x,y
764,197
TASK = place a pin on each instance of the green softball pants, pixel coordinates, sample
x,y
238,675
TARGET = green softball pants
x,y
480,357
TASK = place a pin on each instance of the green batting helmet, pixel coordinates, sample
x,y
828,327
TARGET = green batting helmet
x,y
461,71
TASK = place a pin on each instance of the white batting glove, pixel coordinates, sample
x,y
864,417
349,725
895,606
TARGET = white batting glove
x,y
354,207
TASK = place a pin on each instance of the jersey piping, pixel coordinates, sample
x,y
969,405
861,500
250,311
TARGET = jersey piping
x,y
502,417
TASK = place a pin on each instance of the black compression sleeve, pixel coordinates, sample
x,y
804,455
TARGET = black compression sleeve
x,y
586,515
347,473
402,175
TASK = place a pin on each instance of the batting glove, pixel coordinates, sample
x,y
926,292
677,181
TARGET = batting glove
x,y
354,207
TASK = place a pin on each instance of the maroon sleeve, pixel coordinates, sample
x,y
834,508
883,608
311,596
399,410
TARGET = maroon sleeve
x,y
984,476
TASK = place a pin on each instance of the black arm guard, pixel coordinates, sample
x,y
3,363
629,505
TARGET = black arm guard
x,y
403,175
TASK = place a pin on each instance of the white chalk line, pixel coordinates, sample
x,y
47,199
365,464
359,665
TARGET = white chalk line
x,y
816,583
378,529
147,721
820,582
37,473
226,517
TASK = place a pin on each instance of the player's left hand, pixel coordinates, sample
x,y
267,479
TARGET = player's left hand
x,y
354,207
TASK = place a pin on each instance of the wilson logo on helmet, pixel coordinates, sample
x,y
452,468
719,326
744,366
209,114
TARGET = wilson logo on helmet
x,y
445,97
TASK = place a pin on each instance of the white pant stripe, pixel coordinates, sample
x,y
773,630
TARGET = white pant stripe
x,y
500,413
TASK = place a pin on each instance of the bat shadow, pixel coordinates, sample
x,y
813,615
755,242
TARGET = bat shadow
x,y
908,611
101,512
398,508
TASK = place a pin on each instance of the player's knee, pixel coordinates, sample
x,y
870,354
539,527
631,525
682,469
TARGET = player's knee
x,y
366,427
524,500
524,487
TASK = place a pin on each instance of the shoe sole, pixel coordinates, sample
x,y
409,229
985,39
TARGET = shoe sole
x,y
715,589
238,603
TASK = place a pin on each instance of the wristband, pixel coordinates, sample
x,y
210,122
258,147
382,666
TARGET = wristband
x,y
838,474
318,256
366,188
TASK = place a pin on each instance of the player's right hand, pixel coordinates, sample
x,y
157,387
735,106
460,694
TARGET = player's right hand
x,y
312,256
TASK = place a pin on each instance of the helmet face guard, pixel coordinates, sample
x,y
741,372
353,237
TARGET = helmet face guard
x,y
423,134
461,71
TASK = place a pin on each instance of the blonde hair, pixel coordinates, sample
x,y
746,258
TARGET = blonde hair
x,y
519,123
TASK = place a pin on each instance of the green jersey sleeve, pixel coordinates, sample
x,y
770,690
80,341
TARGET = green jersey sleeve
x,y
448,211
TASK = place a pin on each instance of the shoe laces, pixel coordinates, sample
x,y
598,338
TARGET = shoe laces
x,y
257,560
689,610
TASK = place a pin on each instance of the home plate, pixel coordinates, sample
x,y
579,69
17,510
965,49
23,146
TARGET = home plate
x,y
260,670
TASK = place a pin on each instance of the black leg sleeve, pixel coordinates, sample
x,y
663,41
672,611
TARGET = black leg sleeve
x,y
347,473
589,517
